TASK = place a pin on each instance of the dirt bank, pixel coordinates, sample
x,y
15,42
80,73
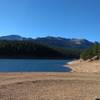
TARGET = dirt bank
x,y
85,66
49,86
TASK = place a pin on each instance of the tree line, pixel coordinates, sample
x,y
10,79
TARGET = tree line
x,y
91,52
30,49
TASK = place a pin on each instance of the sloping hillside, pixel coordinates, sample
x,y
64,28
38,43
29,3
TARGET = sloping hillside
x,y
65,43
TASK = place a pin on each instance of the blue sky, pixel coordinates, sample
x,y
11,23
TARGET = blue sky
x,y
36,18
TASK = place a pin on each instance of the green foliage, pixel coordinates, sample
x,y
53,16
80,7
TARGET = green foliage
x,y
30,49
69,52
26,49
94,50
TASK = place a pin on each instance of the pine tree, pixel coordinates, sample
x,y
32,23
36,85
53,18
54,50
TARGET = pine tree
x,y
94,50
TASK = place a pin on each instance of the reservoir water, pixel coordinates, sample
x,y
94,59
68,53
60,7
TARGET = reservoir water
x,y
32,65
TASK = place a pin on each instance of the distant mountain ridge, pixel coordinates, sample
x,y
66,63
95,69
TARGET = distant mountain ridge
x,y
11,37
53,41
64,43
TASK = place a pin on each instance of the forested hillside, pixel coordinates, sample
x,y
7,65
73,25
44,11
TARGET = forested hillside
x,y
14,46
30,49
51,41
93,51
26,49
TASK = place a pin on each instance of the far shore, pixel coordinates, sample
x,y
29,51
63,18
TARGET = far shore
x,y
84,66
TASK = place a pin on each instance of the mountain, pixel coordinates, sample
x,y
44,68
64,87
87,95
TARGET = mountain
x,y
11,37
58,42
64,43
43,47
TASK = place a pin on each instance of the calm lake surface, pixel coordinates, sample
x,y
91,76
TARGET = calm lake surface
x,y
28,65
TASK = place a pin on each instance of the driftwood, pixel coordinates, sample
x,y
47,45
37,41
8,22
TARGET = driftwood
x,y
92,59
97,99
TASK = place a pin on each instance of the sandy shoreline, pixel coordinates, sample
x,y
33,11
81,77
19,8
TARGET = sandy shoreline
x,y
49,86
84,66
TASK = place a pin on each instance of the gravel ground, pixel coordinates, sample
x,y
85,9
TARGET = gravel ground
x,y
49,86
